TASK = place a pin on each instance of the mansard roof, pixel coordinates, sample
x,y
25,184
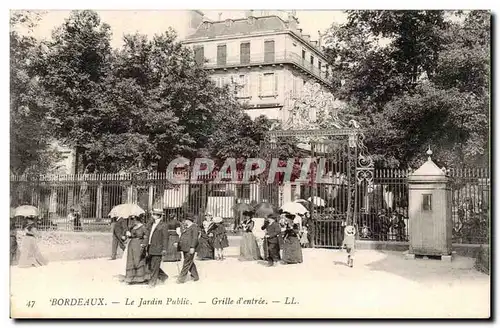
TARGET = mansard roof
x,y
229,27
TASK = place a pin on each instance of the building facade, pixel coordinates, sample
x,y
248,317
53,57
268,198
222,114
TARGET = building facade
x,y
265,56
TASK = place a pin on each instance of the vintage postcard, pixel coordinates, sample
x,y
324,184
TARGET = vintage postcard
x,y
250,164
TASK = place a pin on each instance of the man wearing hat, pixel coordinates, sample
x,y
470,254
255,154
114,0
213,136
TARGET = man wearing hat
x,y
187,244
157,244
271,240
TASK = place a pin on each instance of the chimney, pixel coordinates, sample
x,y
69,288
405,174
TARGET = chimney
x,y
314,43
248,13
220,16
320,39
292,22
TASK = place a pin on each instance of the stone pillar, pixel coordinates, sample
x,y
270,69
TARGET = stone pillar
x,y
130,194
53,202
254,192
430,221
296,192
151,197
287,193
98,205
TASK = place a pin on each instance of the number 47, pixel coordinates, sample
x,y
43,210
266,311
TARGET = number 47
x,y
30,304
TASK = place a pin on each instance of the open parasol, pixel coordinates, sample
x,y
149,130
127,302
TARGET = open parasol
x,y
262,210
294,208
243,207
317,201
26,210
126,211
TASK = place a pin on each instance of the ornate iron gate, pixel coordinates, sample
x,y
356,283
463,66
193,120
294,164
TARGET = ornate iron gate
x,y
341,166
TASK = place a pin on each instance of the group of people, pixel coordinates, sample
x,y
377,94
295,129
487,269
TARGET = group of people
x,y
27,254
146,245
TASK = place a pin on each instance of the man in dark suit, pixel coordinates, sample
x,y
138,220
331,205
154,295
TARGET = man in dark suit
x,y
118,228
157,244
271,240
187,244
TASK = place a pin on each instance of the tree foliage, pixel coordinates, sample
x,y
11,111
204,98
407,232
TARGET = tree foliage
x,y
141,105
31,148
417,78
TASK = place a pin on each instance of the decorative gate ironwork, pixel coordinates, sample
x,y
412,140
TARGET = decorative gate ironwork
x,y
340,161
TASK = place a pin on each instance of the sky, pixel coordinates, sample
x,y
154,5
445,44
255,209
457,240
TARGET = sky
x,y
150,22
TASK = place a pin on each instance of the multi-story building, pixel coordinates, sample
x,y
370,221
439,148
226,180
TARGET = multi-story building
x,y
265,55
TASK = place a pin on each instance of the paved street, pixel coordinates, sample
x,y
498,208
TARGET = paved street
x,y
382,284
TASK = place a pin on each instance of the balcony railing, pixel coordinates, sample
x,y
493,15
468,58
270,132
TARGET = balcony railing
x,y
267,59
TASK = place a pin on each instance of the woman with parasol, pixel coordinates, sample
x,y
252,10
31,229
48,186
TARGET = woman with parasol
x,y
119,217
292,252
30,253
135,267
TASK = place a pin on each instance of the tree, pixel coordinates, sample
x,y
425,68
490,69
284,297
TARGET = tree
x,y
142,105
75,71
31,148
417,79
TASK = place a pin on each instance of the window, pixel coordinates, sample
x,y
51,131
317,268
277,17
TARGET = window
x,y
243,86
427,202
268,86
221,54
245,53
312,60
303,54
319,65
297,86
327,71
199,55
269,51
218,81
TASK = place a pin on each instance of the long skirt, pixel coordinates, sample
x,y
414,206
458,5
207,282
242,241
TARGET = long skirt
x,y
249,249
14,250
173,255
205,248
122,262
292,252
136,262
30,253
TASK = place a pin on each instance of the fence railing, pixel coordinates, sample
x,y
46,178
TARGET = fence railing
x,y
381,207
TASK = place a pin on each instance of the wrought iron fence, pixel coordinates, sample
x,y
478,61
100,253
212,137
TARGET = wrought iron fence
x,y
381,207
470,205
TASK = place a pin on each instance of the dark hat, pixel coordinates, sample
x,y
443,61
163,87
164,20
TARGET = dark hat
x,y
191,218
274,216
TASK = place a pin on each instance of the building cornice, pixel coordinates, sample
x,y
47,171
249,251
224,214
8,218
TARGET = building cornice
x,y
254,35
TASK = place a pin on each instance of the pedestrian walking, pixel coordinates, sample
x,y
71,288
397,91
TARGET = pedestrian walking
x,y
118,228
349,243
271,239
187,245
157,246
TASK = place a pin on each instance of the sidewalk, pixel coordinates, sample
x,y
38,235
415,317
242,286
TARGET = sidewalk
x,y
381,284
